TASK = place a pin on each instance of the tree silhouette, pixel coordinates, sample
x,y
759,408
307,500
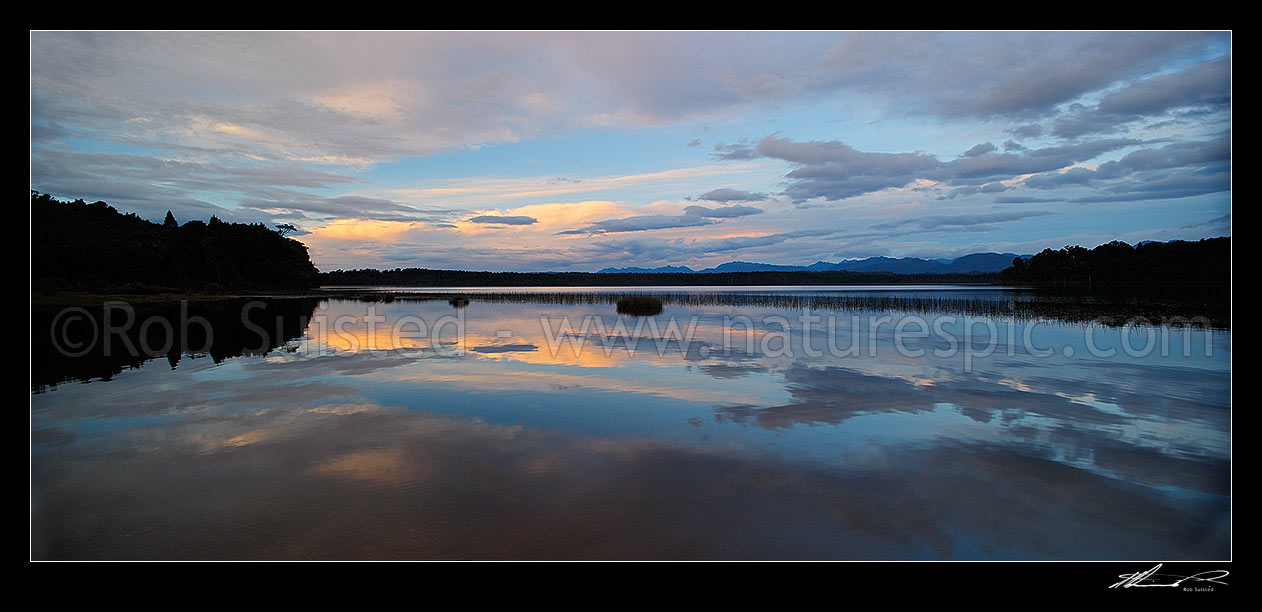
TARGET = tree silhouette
x,y
92,247
1205,262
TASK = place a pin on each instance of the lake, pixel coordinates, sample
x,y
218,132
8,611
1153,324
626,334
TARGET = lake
x,y
871,423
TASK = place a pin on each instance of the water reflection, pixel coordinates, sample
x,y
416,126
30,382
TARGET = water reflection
x,y
514,431
98,342
1111,307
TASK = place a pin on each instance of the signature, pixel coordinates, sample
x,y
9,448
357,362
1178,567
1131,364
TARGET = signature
x,y
1151,578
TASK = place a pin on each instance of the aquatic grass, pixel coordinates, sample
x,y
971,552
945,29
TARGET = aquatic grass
x,y
1107,310
640,305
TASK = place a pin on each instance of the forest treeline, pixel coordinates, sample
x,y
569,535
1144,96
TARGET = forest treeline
x,y
1118,264
76,246
421,277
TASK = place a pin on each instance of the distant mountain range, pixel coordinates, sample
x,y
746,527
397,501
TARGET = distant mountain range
x,y
975,262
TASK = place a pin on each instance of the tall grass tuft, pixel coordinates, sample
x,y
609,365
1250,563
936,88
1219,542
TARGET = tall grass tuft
x,y
640,305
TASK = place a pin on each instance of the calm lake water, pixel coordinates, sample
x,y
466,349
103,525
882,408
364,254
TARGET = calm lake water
x,y
555,428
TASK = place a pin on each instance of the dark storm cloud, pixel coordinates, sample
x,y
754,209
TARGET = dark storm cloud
x,y
504,220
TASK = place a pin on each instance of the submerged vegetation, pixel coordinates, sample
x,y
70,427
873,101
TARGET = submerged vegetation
x,y
76,246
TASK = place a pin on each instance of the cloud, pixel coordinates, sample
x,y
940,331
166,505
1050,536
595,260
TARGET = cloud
x,y
974,189
641,223
734,152
351,206
731,195
1175,170
503,220
45,133
723,212
984,147
937,222
1023,200
152,184
1165,186
1056,180
1181,154
365,97
1205,86
833,170
1001,74
292,127
1032,130
653,249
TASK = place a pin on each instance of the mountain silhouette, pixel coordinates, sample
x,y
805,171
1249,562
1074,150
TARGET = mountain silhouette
x,y
972,263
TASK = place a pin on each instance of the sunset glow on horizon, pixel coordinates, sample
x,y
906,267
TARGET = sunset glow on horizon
x,y
578,151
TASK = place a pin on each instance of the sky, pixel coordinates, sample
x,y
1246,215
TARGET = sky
x,y
576,151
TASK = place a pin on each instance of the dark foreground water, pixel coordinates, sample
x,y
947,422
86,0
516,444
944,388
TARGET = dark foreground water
x,y
543,429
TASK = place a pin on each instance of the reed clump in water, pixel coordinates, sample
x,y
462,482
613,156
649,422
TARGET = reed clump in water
x,y
640,305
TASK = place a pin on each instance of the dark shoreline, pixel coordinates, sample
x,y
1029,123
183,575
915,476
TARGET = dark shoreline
x,y
1197,306
419,277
